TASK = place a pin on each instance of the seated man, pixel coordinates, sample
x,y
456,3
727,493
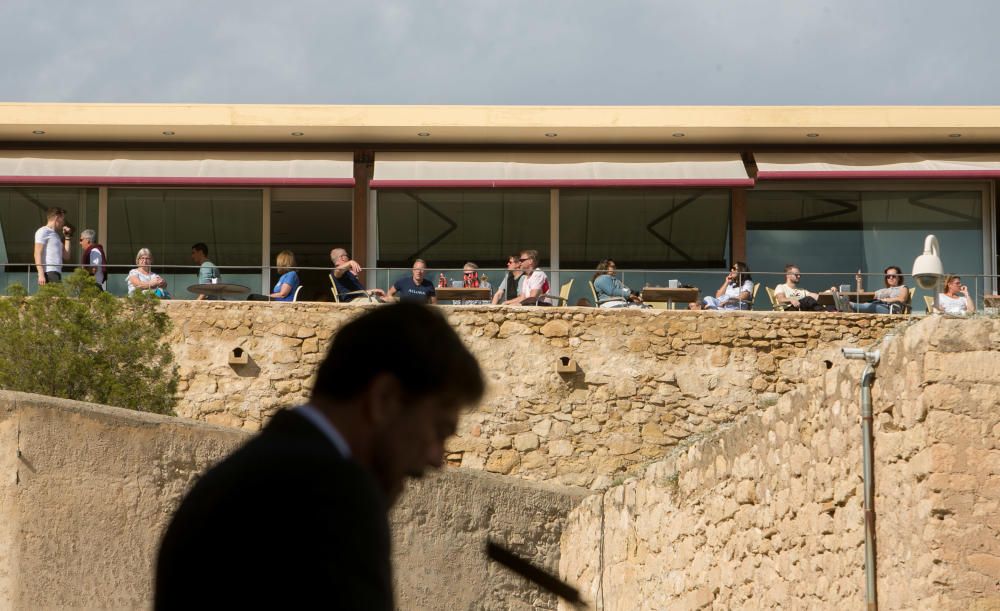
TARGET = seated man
x,y
797,298
415,288
535,284
345,278
207,271
511,281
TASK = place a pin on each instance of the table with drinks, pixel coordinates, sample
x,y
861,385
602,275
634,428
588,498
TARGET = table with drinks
x,y
467,289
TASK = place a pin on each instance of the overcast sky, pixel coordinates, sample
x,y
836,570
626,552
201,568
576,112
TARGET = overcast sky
x,y
501,51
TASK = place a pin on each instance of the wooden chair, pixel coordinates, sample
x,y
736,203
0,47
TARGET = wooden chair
x,y
753,296
563,297
593,292
929,303
775,305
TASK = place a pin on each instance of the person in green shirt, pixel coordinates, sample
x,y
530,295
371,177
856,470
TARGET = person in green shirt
x,y
208,271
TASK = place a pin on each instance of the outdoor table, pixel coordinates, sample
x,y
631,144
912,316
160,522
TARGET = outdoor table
x,y
655,294
862,297
462,294
991,301
218,290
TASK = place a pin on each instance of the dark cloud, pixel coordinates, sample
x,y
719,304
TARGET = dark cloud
x,y
500,52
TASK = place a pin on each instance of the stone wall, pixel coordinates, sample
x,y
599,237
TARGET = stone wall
x,y
86,491
645,380
769,510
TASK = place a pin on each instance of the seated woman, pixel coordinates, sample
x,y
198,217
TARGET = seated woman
x,y
611,293
143,279
284,288
735,292
891,299
955,299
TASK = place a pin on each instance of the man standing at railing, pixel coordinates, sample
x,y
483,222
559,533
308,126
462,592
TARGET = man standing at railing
x,y
52,242
93,258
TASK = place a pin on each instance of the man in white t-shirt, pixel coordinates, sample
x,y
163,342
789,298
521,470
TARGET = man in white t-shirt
x,y
52,242
535,284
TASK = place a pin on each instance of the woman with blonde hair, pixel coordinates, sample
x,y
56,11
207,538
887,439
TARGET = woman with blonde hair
x,y
284,288
955,299
142,277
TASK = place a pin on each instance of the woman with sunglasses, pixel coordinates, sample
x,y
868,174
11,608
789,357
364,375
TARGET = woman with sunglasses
x,y
735,292
142,278
892,299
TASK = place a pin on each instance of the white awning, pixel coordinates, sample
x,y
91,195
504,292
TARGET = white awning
x,y
177,168
832,166
558,170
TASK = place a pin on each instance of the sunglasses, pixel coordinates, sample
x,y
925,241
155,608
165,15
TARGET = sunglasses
x,y
523,260
887,276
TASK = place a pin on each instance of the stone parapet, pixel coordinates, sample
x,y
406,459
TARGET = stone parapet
x,y
768,513
645,380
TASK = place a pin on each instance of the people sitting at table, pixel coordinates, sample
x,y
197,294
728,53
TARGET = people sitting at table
x,y
415,288
955,299
735,292
611,293
891,299
284,288
511,281
143,279
207,271
535,285
793,295
345,278
472,279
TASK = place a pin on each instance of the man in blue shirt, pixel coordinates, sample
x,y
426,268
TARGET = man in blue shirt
x,y
207,270
416,288
345,278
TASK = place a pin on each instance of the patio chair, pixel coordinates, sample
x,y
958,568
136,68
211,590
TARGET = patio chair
x,y
295,296
336,295
753,296
563,297
929,303
593,292
775,305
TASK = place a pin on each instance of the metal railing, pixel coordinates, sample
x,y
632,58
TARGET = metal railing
x,y
261,279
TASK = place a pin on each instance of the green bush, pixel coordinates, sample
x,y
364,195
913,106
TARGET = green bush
x,y
75,341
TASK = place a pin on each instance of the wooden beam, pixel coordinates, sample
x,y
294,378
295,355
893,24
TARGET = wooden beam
x,y
738,223
359,211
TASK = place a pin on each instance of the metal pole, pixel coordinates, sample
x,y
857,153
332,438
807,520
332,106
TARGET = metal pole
x,y
867,377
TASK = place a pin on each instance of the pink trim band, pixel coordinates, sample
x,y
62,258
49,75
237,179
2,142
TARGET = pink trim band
x,y
560,184
875,175
176,180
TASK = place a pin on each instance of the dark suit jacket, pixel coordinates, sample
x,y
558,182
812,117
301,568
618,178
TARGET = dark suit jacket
x,y
285,522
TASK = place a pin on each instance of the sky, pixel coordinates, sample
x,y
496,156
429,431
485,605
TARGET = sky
x,y
521,52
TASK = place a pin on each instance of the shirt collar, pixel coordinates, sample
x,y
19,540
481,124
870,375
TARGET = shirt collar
x,y
310,413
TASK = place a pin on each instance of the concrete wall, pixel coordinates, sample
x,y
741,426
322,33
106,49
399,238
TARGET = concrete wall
x,y
768,513
646,380
86,491
86,496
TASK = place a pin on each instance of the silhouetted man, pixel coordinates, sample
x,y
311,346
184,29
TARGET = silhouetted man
x,y
297,517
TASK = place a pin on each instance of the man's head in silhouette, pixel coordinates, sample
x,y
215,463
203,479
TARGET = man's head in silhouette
x,y
393,385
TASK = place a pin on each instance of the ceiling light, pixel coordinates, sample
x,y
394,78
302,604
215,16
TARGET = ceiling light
x,y
38,132
168,133
954,135
678,134
423,134
551,134
812,135
298,133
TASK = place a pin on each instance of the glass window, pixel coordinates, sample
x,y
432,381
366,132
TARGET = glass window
x,y
449,227
644,229
310,223
22,212
169,221
836,233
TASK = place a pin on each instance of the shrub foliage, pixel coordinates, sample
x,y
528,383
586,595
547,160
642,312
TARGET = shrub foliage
x,y
73,340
